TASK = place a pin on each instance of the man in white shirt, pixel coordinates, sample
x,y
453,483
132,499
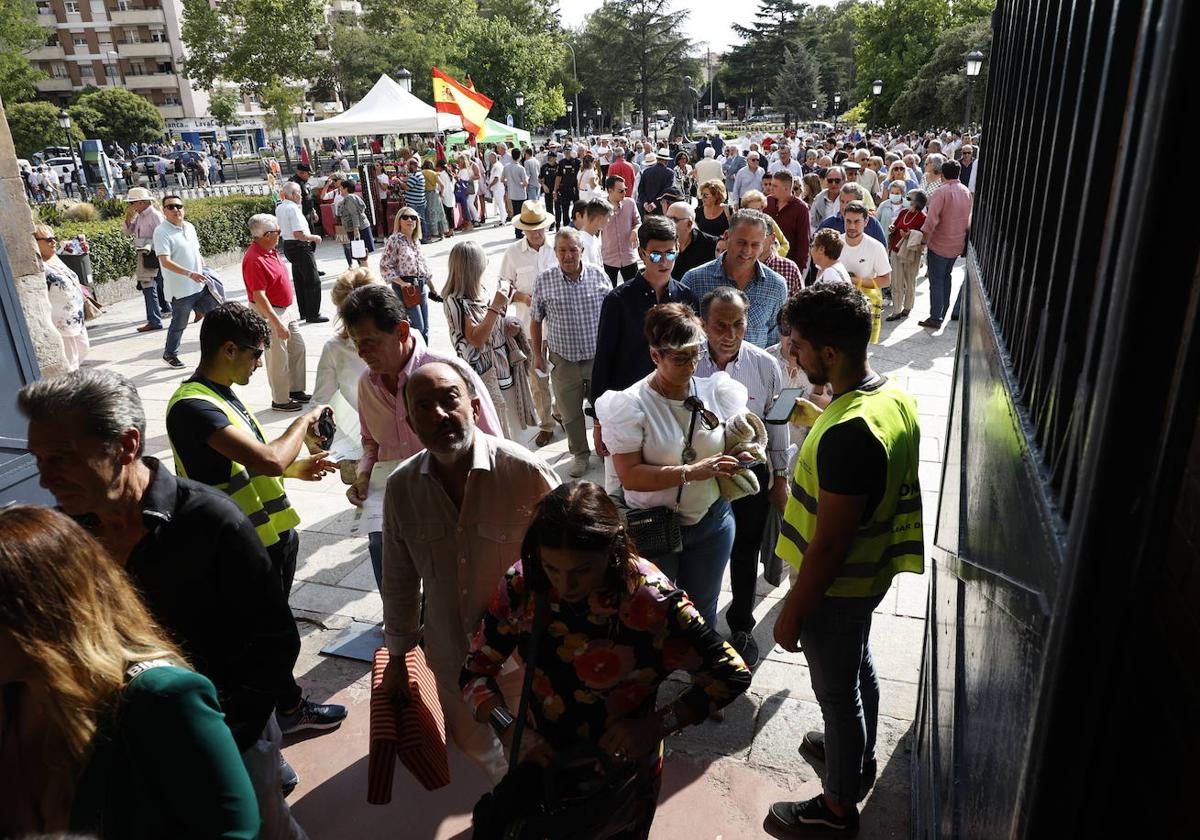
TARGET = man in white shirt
x,y
786,161
709,168
299,245
178,249
826,254
523,261
864,257
749,178
595,220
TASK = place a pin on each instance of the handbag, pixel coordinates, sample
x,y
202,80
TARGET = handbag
x,y
568,800
410,292
416,731
149,260
656,530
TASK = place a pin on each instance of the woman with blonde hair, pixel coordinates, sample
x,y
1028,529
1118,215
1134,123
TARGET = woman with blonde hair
x,y
480,331
104,729
713,214
66,298
403,265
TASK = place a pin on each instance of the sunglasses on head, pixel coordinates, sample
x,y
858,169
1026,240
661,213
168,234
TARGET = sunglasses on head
x,y
659,256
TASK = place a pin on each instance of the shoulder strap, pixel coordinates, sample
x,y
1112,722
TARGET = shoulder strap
x,y
541,609
691,434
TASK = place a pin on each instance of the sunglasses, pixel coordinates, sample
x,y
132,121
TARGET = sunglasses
x,y
680,358
408,218
172,206
46,238
255,351
833,180
658,256
710,420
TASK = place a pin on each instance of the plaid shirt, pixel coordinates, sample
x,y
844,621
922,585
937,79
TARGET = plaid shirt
x,y
573,309
788,270
767,292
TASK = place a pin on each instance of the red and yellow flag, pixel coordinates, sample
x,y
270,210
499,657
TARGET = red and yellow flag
x,y
451,96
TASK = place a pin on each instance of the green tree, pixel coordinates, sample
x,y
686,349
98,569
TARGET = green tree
x,y
117,116
282,103
19,33
252,43
223,106
357,58
796,82
935,97
34,125
754,63
418,35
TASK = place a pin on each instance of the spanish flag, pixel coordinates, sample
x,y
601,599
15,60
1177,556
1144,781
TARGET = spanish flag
x,y
451,96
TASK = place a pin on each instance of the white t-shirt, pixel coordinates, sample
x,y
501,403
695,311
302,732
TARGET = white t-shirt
x,y
835,273
792,166
591,249
867,259
639,419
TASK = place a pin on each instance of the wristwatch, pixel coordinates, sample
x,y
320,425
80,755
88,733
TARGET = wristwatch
x,y
780,473
500,720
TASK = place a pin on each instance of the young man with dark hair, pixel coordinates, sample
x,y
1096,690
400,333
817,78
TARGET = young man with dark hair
x,y
852,522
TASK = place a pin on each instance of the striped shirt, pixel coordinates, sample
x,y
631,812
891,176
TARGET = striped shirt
x,y
759,372
573,309
767,292
414,190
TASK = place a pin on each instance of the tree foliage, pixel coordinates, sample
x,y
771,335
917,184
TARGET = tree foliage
x,y
223,106
252,43
34,125
936,96
19,32
796,82
282,103
118,116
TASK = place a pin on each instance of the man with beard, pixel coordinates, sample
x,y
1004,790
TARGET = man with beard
x,y
454,519
852,522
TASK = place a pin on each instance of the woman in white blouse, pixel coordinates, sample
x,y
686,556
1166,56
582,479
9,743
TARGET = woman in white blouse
x,y
66,298
646,427
403,265
338,373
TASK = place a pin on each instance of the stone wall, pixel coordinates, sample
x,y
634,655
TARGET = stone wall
x,y
127,287
16,226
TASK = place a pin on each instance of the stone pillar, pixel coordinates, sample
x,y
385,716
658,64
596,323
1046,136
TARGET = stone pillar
x,y
16,226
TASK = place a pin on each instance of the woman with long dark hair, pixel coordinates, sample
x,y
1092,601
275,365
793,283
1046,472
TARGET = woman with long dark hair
x,y
614,629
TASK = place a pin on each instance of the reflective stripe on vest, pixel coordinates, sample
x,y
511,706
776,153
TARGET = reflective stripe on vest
x,y
261,497
891,541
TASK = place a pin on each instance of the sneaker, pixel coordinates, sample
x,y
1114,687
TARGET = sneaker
x,y
149,328
319,319
579,466
173,361
744,643
813,746
812,818
300,397
290,405
310,715
288,777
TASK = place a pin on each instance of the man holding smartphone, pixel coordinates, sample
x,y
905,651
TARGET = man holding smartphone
x,y
724,314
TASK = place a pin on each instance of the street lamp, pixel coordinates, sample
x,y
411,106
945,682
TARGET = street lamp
x,y
974,65
64,120
876,89
599,122
575,73
404,78
837,106
570,111
519,98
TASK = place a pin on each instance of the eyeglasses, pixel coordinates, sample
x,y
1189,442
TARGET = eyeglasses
x,y
833,180
172,206
46,238
658,256
255,351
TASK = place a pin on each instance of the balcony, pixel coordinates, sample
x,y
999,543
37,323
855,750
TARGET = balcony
x,y
46,20
149,49
48,85
45,53
171,112
168,81
348,6
137,16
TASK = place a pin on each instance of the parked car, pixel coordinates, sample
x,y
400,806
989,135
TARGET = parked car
x,y
189,156
61,163
147,163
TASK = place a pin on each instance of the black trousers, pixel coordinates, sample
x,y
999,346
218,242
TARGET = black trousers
x,y
562,209
305,277
627,272
283,563
750,518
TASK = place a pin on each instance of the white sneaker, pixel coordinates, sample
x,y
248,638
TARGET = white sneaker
x,y
579,466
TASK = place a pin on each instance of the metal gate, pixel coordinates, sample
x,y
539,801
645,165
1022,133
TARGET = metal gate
x,y
1058,687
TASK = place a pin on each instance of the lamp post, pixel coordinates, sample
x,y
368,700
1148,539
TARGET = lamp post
x,y
837,106
64,120
570,112
575,73
519,98
974,65
311,116
599,121
404,79
876,89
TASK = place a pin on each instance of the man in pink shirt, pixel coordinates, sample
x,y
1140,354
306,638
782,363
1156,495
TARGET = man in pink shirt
x,y
948,218
377,323
620,237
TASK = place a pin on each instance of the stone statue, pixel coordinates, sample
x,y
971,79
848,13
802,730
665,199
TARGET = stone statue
x,y
685,116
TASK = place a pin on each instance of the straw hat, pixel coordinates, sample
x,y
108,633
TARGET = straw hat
x,y
533,217
138,194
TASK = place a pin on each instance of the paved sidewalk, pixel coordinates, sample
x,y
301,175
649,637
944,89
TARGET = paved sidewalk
x,y
720,779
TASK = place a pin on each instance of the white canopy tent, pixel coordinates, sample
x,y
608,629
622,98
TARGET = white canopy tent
x,y
386,109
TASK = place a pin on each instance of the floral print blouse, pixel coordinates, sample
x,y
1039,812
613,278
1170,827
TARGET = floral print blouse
x,y
402,258
66,297
602,660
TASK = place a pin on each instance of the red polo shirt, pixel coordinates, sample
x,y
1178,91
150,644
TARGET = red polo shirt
x,y
262,269
623,168
793,221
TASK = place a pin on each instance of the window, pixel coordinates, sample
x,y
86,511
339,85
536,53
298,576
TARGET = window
x,y
79,40
52,39
112,71
158,35
122,5
58,70
44,8
165,67
132,37
71,7
87,70
170,99
99,12
136,68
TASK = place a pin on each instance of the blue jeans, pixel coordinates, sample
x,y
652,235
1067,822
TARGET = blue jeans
x,y
153,313
939,269
181,313
698,569
418,316
836,642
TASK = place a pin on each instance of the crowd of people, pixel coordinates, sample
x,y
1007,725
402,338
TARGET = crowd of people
x,y
675,328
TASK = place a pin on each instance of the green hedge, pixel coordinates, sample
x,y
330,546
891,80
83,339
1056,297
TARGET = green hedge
x,y
221,225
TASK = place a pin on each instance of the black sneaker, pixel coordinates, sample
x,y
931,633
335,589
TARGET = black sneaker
x,y
744,643
319,319
812,818
173,361
300,397
311,715
813,746
288,777
290,405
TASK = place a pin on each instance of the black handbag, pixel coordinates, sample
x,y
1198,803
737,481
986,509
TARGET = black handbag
x,y
150,260
569,800
655,530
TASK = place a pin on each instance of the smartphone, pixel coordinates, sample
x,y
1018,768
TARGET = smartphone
x,y
326,427
782,409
